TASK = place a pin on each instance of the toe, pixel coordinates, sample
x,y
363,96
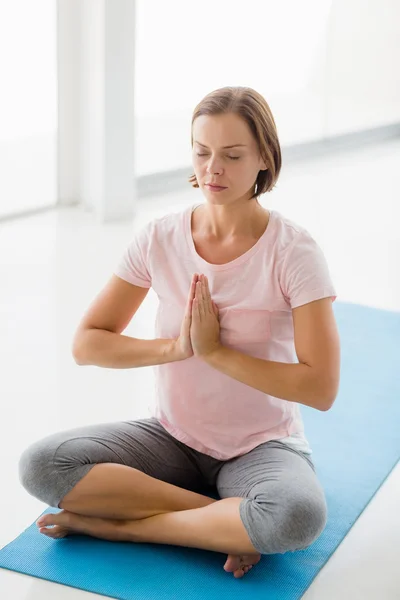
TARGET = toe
x,y
47,532
47,520
235,565
53,532
62,519
232,563
238,574
242,571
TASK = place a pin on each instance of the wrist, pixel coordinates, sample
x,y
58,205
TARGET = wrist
x,y
171,351
213,353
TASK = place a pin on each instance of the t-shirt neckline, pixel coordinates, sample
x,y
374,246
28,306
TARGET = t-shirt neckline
x,y
233,263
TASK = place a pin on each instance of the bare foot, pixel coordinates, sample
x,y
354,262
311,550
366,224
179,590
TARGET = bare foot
x,y
66,523
240,565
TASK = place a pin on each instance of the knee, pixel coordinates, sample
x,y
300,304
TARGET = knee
x,y
292,524
303,523
35,467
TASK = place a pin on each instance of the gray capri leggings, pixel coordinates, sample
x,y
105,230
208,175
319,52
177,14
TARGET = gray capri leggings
x,y
283,507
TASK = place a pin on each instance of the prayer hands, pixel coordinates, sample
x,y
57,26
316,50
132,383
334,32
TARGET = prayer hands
x,y
204,329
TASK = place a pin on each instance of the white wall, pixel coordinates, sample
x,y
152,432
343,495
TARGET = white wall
x,y
326,67
69,86
28,106
96,80
91,102
363,65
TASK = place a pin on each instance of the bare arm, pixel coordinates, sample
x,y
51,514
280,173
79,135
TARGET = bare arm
x,y
98,340
314,381
115,351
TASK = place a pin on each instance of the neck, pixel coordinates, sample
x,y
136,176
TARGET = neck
x,y
223,222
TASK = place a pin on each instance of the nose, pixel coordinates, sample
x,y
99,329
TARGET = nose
x,y
213,167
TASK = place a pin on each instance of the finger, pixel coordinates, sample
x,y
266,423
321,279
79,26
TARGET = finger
x,y
195,279
207,296
199,298
203,292
203,304
192,293
195,311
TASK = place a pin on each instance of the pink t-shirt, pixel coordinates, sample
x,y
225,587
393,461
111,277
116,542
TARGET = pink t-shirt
x,y
255,294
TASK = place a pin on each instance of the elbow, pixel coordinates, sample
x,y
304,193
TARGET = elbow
x,y
78,352
325,393
78,361
77,357
327,405
329,400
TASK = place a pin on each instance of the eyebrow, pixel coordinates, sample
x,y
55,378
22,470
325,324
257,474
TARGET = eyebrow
x,y
233,146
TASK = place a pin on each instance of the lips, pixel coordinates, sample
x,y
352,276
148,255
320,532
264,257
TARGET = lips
x,y
216,187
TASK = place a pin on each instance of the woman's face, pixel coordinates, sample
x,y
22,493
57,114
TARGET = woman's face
x,y
234,168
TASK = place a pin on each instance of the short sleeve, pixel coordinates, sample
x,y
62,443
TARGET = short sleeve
x,y
133,266
305,274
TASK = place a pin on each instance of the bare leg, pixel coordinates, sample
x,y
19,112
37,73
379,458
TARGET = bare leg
x,y
217,527
111,498
113,491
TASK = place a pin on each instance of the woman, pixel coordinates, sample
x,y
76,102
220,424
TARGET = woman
x,y
245,333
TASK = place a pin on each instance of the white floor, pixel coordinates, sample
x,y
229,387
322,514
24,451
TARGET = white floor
x,y
51,267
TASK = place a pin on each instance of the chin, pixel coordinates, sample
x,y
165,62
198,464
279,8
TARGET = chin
x,y
219,198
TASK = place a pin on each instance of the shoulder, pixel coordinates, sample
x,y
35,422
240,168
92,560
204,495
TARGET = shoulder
x,y
288,231
301,265
160,229
292,241
169,222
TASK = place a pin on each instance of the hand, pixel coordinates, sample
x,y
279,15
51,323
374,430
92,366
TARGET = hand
x,y
205,329
182,347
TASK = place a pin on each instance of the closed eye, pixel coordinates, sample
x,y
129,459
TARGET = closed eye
x,y
231,157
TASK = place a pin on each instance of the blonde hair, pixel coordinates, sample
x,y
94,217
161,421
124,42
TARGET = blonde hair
x,y
253,108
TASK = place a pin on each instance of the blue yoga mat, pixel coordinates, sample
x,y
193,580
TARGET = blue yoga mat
x,y
356,445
